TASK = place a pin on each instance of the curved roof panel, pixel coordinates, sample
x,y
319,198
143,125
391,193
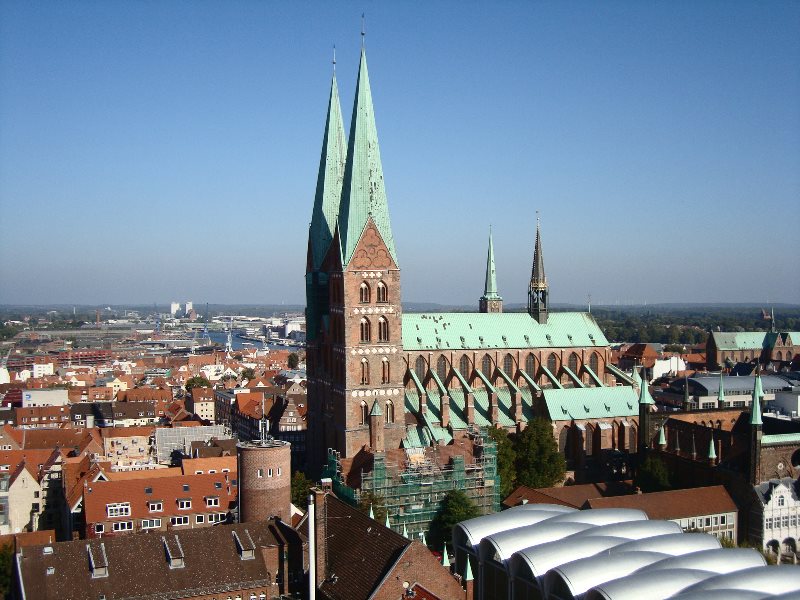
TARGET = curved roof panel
x,y
540,559
661,584
602,516
723,595
501,546
673,544
633,530
472,531
721,560
778,580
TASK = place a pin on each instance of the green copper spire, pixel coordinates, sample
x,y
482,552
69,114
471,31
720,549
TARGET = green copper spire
x,y
363,191
445,558
468,571
376,410
371,512
662,439
712,451
388,525
490,289
329,180
721,393
755,407
644,393
405,532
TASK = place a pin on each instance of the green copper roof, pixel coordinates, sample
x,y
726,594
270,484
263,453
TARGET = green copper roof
x,y
376,409
644,393
712,451
490,288
591,403
755,407
781,438
363,191
468,571
721,392
746,340
662,439
442,331
329,180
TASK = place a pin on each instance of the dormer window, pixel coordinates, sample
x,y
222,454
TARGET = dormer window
x,y
781,501
184,503
118,509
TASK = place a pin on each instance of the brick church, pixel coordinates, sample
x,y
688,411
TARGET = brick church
x,y
382,380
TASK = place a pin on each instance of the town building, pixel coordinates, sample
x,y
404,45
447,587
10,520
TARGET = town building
x,y
775,521
725,349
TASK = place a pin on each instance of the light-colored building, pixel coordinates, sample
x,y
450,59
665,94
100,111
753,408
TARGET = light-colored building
x,y
775,518
44,398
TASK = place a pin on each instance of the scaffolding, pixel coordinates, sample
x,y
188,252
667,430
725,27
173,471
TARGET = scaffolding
x,y
412,491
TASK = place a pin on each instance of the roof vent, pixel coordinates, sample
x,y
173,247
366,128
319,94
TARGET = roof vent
x,y
148,490
47,550
98,562
174,552
245,547
51,570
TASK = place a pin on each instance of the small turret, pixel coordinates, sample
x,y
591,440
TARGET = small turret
x,y
490,302
538,289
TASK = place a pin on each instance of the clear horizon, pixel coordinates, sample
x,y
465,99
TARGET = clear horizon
x,y
153,152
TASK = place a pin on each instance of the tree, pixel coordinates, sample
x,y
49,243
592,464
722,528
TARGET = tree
x,y
653,475
505,460
377,503
455,507
293,361
6,569
248,373
538,462
197,381
300,487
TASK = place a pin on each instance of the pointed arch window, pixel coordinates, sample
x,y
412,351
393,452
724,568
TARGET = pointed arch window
x,y
573,363
420,368
364,372
486,365
552,364
389,411
441,368
383,330
366,330
508,365
594,363
463,366
530,365
382,292
385,370
363,293
364,413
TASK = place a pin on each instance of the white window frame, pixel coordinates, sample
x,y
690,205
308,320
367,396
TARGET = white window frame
x,y
212,501
179,520
151,523
123,526
184,504
199,518
118,509
155,506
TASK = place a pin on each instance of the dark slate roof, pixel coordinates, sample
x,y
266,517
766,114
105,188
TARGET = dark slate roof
x,y
138,565
764,490
354,570
743,385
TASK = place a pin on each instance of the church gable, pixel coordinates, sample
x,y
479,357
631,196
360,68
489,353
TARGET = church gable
x,y
371,251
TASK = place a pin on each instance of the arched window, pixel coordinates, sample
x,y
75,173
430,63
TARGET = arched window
x,y
383,330
366,330
594,363
573,362
364,372
552,364
780,355
530,365
385,370
363,293
389,411
441,368
463,366
382,292
364,413
508,365
486,365
789,355
420,368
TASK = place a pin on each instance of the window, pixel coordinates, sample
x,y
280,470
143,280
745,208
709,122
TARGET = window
x,y
156,506
785,520
260,473
118,509
722,520
217,485
594,363
768,523
185,487
184,504
123,526
486,365
463,366
278,472
199,518
151,523
441,368
420,368
508,365
382,292
184,520
366,330
269,472
383,330
530,365
385,370
212,501
363,293
389,411
573,363
552,364
364,413
364,372
781,501
708,521
98,528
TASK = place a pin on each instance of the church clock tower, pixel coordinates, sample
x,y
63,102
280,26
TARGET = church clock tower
x,y
538,289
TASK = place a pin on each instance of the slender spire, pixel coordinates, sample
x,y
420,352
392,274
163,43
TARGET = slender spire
x,y
363,191
468,571
694,447
491,300
405,532
755,407
329,178
721,393
662,439
388,525
644,393
371,512
538,290
445,557
686,399
712,451
677,442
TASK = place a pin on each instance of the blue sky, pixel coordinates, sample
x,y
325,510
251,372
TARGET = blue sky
x,y
152,151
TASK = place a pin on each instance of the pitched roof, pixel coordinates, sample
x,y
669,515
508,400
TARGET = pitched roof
x,y
442,331
363,191
568,495
743,340
673,504
591,403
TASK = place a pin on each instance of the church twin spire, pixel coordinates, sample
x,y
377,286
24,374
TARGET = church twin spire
x,y
538,289
490,302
